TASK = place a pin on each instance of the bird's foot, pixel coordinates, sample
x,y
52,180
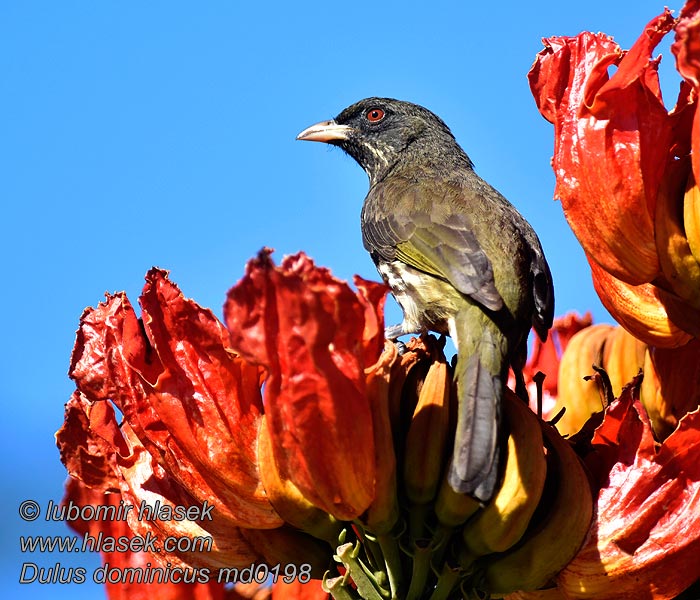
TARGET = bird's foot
x,y
394,332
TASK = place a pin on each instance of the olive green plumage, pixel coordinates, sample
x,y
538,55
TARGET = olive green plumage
x,y
458,257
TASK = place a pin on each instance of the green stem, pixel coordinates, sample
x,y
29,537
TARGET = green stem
x,y
373,550
392,561
366,585
421,570
447,580
417,517
439,543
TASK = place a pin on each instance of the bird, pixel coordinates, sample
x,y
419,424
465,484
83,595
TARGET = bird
x,y
458,258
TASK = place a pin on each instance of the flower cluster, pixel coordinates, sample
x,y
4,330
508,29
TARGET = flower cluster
x,y
627,171
320,445
197,427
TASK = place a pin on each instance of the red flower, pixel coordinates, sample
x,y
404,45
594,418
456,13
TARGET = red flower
x,y
627,172
193,409
306,329
645,539
623,170
171,588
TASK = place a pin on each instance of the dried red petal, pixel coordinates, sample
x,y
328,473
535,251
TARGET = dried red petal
x,y
142,482
192,402
612,139
646,533
88,457
307,329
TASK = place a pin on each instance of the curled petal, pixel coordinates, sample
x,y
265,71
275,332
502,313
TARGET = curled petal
x,y
687,50
680,268
646,534
382,514
191,401
612,138
146,487
215,544
373,296
208,399
91,458
687,44
306,328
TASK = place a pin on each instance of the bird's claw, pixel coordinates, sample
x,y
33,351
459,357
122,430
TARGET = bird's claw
x,y
394,332
401,348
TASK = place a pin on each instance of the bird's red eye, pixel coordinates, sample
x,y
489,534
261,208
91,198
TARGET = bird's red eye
x,y
375,114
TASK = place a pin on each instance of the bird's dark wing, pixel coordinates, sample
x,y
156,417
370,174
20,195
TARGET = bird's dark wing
x,y
403,224
542,292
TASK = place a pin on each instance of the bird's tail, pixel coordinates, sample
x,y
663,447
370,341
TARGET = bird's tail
x,y
481,371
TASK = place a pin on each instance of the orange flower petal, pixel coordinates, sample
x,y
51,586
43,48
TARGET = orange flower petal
x,y
687,50
144,485
190,400
373,296
579,396
646,534
671,385
87,457
612,138
650,314
307,329
383,513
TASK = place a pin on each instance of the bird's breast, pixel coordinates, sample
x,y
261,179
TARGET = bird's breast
x,y
425,300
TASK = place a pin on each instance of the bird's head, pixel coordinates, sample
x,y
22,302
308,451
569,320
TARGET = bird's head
x,y
380,133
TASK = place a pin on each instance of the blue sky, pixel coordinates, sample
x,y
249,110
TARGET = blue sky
x,y
162,133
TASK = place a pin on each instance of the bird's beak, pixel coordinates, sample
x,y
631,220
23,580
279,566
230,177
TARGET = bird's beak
x,y
325,131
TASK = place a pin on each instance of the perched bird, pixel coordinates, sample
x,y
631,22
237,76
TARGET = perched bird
x,y
458,257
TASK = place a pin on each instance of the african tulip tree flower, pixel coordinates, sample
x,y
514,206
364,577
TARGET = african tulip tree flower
x,y
627,171
193,409
283,426
644,541
198,401
645,538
